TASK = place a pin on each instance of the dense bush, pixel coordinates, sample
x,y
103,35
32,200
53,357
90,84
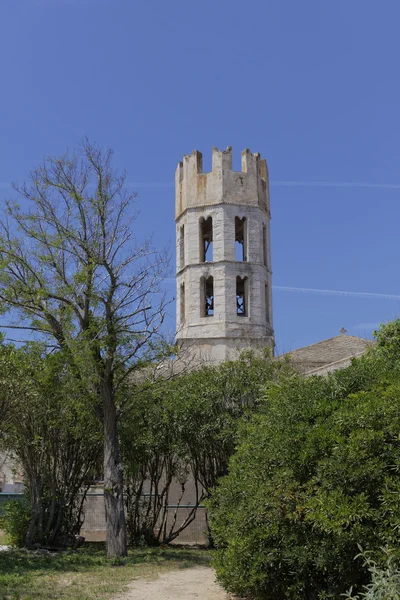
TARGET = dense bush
x,y
14,520
181,433
152,458
385,579
315,475
208,404
57,443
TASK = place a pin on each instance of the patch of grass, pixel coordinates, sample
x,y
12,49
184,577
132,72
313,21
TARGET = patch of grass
x,y
3,538
85,574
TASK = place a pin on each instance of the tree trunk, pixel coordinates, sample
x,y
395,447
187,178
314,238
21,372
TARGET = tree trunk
x,y
34,533
113,480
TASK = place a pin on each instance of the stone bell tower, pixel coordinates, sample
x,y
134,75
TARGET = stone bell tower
x,y
223,271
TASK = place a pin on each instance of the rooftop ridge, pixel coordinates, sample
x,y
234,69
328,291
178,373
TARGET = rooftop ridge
x,y
334,363
354,337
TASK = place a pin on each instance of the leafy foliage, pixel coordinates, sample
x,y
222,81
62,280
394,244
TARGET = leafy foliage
x,y
152,459
385,579
209,404
57,442
178,435
14,520
315,475
73,272
388,340
9,382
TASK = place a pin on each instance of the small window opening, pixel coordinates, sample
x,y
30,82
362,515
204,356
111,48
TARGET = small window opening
x,y
266,295
206,240
182,303
265,245
182,246
207,297
241,296
240,238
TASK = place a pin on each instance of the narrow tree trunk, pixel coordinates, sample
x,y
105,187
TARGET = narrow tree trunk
x,y
34,534
113,480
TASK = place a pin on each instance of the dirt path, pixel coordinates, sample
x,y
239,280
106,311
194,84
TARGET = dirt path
x,y
184,584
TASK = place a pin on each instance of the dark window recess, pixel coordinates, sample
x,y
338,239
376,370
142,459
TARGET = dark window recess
x,y
266,303
241,296
207,297
182,246
182,301
241,238
206,240
264,242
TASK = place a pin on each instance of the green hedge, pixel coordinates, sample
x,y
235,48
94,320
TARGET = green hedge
x,y
315,476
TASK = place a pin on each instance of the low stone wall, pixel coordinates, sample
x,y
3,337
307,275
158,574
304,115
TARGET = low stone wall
x,y
94,525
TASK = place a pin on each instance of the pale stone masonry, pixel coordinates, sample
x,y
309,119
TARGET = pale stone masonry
x,y
223,271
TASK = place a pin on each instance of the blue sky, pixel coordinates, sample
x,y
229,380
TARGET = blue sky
x,y
312,85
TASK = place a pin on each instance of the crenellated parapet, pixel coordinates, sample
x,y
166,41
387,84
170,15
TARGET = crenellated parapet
x,y
221,185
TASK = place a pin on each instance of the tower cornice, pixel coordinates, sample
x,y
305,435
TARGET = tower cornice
x,y
238,263
201,207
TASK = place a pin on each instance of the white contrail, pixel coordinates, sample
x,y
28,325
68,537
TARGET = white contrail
x,y
355,184
149,184
281,183
301,290
288,183
283,288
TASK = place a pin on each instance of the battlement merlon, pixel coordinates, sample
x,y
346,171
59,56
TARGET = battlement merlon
x,y
195,188
221,160
192,164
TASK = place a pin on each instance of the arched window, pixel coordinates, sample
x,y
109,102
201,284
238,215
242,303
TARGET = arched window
x,y
207,296
206,239
241,238
242,297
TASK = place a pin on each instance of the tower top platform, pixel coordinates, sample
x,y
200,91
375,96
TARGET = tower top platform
x,y
222,185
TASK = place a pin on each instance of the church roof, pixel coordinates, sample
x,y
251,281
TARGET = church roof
x,y
328,355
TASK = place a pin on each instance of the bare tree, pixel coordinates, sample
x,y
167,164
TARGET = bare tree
x,y
72,270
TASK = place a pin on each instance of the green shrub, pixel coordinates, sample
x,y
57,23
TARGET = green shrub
x,y
56,440
315,475
183,429
385,580
14,520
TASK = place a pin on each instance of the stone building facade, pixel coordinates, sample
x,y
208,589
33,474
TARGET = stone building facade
x,y
223,271
11,476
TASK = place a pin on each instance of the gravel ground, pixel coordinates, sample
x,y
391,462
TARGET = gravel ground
x,y
185,584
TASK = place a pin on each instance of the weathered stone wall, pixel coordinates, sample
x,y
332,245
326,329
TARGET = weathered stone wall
x,y
223,194
11,477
